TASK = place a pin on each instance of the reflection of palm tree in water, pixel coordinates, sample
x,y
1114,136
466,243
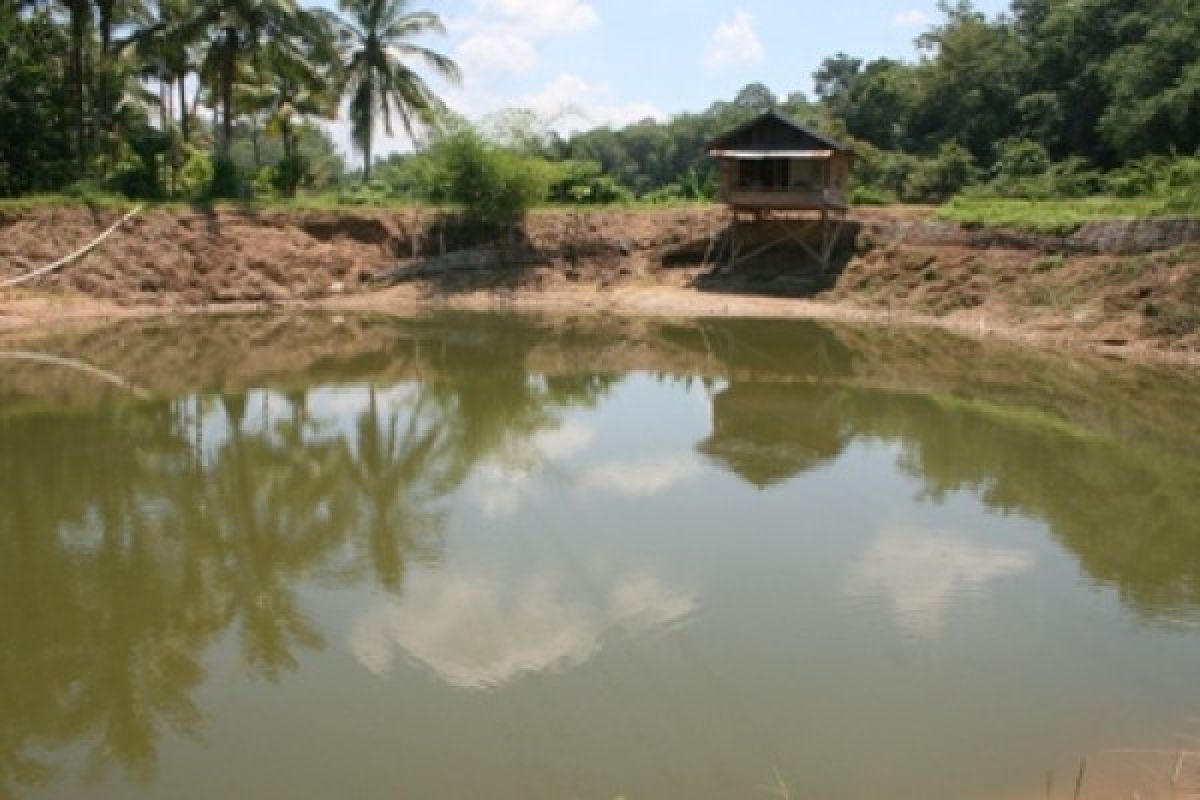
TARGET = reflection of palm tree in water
x,y
102,648
274,516
397,469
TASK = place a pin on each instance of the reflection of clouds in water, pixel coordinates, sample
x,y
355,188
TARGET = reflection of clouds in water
x,y
500,487
640,479
476,632
922,573
564,441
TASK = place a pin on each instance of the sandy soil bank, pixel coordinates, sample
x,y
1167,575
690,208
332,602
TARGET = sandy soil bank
x,y
893,267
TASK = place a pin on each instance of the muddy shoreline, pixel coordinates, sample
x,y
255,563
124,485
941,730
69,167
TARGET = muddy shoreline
x,y
894,267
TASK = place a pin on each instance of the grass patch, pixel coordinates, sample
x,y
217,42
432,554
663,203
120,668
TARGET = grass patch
x,y
1055,217
74,200
324,201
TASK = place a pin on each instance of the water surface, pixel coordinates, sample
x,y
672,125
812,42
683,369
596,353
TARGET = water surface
x,y
480,556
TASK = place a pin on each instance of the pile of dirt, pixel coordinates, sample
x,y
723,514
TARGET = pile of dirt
x,y
192,258
202,258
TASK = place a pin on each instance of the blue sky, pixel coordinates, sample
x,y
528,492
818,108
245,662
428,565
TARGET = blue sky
x,y
594,62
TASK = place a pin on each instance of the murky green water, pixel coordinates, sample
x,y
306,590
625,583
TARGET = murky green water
x,y
483,557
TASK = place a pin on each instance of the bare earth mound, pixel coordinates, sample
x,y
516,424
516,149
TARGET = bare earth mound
x,y
1133,286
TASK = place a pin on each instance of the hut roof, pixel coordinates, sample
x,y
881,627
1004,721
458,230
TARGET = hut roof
x,y
772,132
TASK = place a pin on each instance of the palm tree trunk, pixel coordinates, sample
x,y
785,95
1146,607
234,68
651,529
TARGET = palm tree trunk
x,y
105,104
228,67
367,156
183,110
164,105
254,141
78,10
287,140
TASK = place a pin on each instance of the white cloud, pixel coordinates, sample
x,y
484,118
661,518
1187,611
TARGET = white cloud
x,y
912,18
564,441
736,43
476,630
501,486
500,36
643,479
922,573
502,51
572,103
541,17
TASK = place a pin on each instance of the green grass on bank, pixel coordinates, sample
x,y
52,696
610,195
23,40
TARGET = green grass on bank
x,y
325,201
1053,217
1057,217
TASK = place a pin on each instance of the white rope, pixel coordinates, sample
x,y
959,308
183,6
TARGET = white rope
x,y
81,366
62,262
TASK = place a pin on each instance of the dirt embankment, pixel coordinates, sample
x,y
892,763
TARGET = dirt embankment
x,y
1129,285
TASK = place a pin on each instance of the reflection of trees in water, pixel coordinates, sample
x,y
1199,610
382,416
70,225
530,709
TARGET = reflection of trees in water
x,y
132,538
1130,513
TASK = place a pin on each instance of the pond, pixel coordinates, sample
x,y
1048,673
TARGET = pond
x,y
532,557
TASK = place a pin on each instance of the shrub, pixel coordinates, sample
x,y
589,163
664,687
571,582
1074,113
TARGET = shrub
x,y
497,186
872,196
936,180
288,175
226,181
671,193
196,176
584,182
1020,159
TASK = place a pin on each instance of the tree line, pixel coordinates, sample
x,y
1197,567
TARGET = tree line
x,y
110,90
1056,98
1053,98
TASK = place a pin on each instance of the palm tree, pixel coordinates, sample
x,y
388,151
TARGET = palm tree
x,y
288,87
377,39
165,52
80,15
240,27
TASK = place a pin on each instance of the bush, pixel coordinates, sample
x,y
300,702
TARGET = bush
x,y
1136,179
584,182
497,186
136,181
938,179
1073,178
196,176
671,193
1020,159
226,181
872,196
289,174
374,193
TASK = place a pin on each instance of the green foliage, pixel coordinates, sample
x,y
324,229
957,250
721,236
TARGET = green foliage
x,y
35,148
872,196
1176,182
1058,217
373,193
496,186
1021,159
584,183
288,175
937,179
378,38
196,175
226,183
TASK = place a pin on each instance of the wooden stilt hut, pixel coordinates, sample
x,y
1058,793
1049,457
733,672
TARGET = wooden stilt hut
x,y
778,172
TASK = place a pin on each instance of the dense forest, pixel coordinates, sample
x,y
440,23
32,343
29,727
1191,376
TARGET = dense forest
x,y
183,98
